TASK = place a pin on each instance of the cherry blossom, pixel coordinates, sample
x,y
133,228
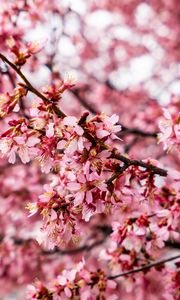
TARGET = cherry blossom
x,y
89,167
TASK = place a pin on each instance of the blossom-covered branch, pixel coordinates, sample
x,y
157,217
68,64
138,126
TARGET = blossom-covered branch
x,y
61,114
30,87
77,212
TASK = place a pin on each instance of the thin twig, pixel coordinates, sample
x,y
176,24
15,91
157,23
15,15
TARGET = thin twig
x,y
145,267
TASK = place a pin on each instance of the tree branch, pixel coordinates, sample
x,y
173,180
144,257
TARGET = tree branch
x,y
132,162
32,88
117,173
145,267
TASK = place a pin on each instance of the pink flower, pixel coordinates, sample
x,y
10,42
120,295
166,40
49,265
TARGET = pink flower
x,y
108,127
46,153
80,188
23,145
23,51
67,276
132,241
50,130
76,140
46,162
66,279
88,211
49,194
84,188
73,122
170,130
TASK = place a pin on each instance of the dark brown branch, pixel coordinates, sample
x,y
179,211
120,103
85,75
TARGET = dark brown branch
x,y
145,267
32,88
136,131
133,162
172,244
131,144
116,174
84,103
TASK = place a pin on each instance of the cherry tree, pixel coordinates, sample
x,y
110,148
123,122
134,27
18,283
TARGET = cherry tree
x,y
89,167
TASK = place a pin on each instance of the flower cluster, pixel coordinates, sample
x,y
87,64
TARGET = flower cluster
x,y
9,103
23,51
55,91
19,139
75,283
